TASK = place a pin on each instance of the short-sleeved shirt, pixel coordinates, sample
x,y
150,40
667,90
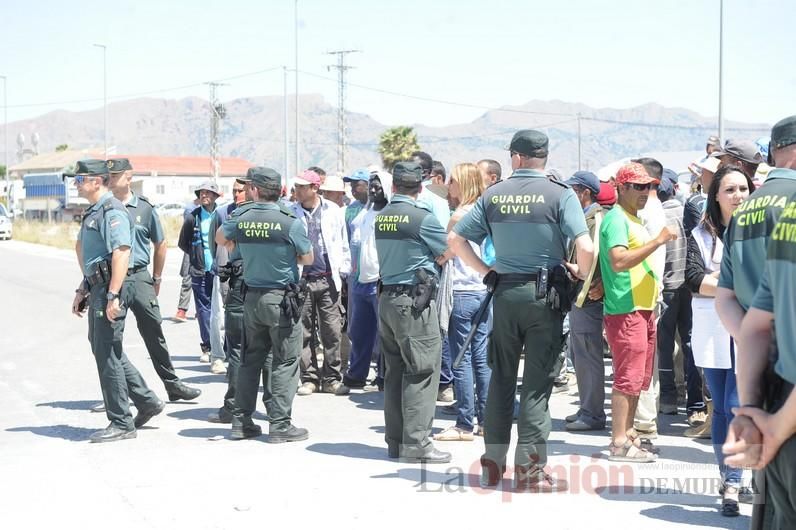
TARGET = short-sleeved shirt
x,y
777,291
147,228
747,236
635,289
269,240
103,230
531,221
408,238
436,204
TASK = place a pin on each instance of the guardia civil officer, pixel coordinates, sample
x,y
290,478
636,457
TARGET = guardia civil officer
x,y
408,240
104,246
272,243
146,287
531,220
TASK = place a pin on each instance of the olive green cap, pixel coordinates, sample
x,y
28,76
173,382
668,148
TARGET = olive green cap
x,y
90,166
118,165
783,133
264,177
407,173
530,143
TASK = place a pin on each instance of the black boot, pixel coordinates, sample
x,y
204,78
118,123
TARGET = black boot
x,y
111,433
243,428
289,434
179,390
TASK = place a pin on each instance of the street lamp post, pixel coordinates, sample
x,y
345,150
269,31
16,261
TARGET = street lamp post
x,y
5,141
104,97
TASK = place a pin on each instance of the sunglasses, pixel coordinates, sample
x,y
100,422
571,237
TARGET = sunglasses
x,y
238,190
80,179
640,187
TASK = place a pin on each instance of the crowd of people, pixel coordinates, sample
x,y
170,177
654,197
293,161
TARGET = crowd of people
x,y
438,286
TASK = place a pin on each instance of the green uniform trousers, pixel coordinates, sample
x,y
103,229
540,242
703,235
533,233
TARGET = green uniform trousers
x,y
412,353
146,309
119,379
521,322
233,330
268,336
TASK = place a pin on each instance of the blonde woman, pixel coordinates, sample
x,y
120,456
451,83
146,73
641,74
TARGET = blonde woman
x,y
471,377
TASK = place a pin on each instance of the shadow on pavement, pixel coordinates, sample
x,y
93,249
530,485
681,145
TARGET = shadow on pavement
x,y
194,358
206,432
680,507
71,405
204,379
368,400
65,432
351,450
192,413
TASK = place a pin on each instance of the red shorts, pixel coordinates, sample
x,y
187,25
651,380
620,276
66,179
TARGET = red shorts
x,y
631,338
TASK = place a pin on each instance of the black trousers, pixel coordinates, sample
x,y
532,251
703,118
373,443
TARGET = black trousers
x,y
676,317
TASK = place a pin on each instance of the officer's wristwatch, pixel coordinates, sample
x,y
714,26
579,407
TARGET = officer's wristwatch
x,y
111,296
156,279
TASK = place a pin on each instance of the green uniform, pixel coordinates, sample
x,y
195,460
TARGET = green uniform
x,y
530,219
747,236
269,241
408,238
145,304
107,226
777,295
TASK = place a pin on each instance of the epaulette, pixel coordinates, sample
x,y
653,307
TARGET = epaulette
x,y
560,183
142,198
285,210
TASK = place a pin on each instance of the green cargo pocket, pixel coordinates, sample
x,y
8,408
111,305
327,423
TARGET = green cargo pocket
x,y
421,354
289,338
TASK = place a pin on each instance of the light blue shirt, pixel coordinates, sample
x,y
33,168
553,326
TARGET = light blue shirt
x,y
204,224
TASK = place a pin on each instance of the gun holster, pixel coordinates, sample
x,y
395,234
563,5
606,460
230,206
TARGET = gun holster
x,y
425,291
291,303
99,274
561,292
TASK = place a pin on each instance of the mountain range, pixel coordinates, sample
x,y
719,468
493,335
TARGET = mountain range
x,y
253,129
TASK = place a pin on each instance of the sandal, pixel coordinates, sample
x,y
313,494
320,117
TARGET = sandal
x,y
643,443
729,502
629,452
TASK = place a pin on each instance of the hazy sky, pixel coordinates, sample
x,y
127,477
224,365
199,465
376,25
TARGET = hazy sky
x,y
617,53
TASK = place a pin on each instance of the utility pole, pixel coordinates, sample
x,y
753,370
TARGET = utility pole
x,y
104,97
5,141
721,72
579,143
341,138
295,29
286,175
218,112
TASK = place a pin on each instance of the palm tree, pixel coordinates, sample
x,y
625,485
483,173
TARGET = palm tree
x,y
397,144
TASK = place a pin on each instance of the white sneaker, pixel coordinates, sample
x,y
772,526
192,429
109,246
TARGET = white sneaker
x,y
205,357
218,367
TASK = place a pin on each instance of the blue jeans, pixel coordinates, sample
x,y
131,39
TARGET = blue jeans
x,y
723,389
473,365
363,331
202,291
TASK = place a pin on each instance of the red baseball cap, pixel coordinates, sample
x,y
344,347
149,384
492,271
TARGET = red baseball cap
x,y
607,195
307,178
634,173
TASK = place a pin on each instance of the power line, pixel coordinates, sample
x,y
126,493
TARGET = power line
x,y
435,100
140,94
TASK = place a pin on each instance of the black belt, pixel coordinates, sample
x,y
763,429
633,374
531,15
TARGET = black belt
x,y
313,277
263,290
132,271
398,288
516,277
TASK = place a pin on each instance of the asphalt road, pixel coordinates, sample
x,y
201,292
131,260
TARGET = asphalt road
x,y
183,472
